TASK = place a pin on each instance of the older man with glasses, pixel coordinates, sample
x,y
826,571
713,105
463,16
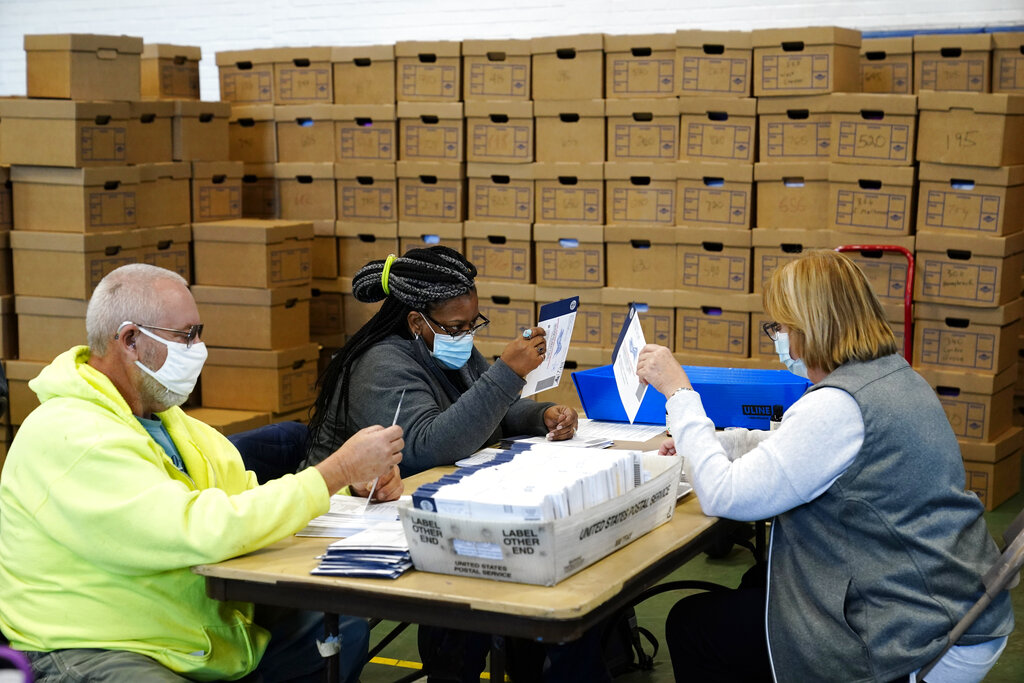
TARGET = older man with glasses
x,y
111,493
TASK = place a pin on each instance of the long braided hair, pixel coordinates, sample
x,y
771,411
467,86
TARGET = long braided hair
x,y
420,280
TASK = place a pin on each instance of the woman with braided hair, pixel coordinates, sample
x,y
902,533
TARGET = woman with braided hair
x,y
421,342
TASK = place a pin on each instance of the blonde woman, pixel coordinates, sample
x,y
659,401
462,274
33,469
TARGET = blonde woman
x,y
876,549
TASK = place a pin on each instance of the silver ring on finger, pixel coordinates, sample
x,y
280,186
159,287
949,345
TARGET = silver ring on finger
x,y
527,333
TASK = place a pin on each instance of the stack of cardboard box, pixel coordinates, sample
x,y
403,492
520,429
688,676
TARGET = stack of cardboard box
x,y
98,179
715,198
970,254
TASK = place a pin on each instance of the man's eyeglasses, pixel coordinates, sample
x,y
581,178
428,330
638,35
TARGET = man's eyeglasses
x,y
478,323
772,329
191,334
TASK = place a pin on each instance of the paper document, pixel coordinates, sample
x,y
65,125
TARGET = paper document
x,y
617,431
557,319
349,515
624,358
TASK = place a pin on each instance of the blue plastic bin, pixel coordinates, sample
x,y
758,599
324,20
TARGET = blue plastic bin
x,y
732,397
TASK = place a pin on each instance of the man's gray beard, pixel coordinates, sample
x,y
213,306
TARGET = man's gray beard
x,y
157,395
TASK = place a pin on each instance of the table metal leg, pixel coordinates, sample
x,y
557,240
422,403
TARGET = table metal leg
x,y
331,672
497,659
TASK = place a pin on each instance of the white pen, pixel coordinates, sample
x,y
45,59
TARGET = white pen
x,y
393,423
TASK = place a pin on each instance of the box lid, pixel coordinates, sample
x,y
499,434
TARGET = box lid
x,y
884,103
363,55
377,170
1008,40
993,451
252,172
277,358
357,228
513,291
654,41
584,42
655,234
440,48
321,286
1011,104
496,50
581,108
511,171
794,240
966,316
17,107
729,40
23,370
551,170
5,174
543,295
181,53
316,112
797,170
853,238
433,169
151,108
712,300
811,35
697,170
250,296
197,109
84,42
442,110
488,229
352,112
251,112
252,230
296,55
209,169
637,107
624,170
969,382
164,236
623,296
887,175
812,104
935,42
229,421
555,232
709,106
883,48
297,169
423,229
251,57
511,108
110,242
42,305
86,177
995,245
708,236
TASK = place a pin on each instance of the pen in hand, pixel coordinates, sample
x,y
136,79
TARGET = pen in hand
x,y
376,479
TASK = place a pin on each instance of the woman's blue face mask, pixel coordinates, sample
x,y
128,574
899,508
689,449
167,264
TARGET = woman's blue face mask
x,y
452,353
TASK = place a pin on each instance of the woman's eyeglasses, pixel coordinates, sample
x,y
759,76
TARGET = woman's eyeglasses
x,y
478,323
772,329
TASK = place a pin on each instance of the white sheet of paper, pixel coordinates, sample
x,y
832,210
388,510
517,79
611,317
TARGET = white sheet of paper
x,y
627,351
557,319
617,431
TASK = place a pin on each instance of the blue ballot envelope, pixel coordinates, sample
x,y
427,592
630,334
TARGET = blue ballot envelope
x,y
732,397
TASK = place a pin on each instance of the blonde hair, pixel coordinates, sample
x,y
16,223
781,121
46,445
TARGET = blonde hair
x,y
832,314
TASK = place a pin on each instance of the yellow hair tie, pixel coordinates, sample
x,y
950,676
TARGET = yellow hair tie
x,y
387,271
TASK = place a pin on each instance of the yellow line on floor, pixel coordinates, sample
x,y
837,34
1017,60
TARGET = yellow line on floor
x,y
387,661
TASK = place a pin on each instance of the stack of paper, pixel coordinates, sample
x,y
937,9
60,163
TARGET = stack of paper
x,y
379,551
348,516
537,482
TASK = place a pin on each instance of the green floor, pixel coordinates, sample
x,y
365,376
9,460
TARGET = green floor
x,y
403,657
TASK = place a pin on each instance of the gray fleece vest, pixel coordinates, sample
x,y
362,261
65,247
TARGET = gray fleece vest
x,y
867,579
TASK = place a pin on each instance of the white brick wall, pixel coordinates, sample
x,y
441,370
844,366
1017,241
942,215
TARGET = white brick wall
x,y
218,25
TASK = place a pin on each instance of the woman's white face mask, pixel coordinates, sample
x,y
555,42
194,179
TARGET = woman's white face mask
x,y
794,365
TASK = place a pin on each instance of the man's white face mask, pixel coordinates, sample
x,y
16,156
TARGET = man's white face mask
x,y
180,370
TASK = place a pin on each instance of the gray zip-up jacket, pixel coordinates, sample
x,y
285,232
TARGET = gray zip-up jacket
x,y
867,579
446,415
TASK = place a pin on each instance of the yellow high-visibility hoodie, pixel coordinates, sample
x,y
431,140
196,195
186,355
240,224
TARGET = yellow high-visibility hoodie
x,y
98,529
